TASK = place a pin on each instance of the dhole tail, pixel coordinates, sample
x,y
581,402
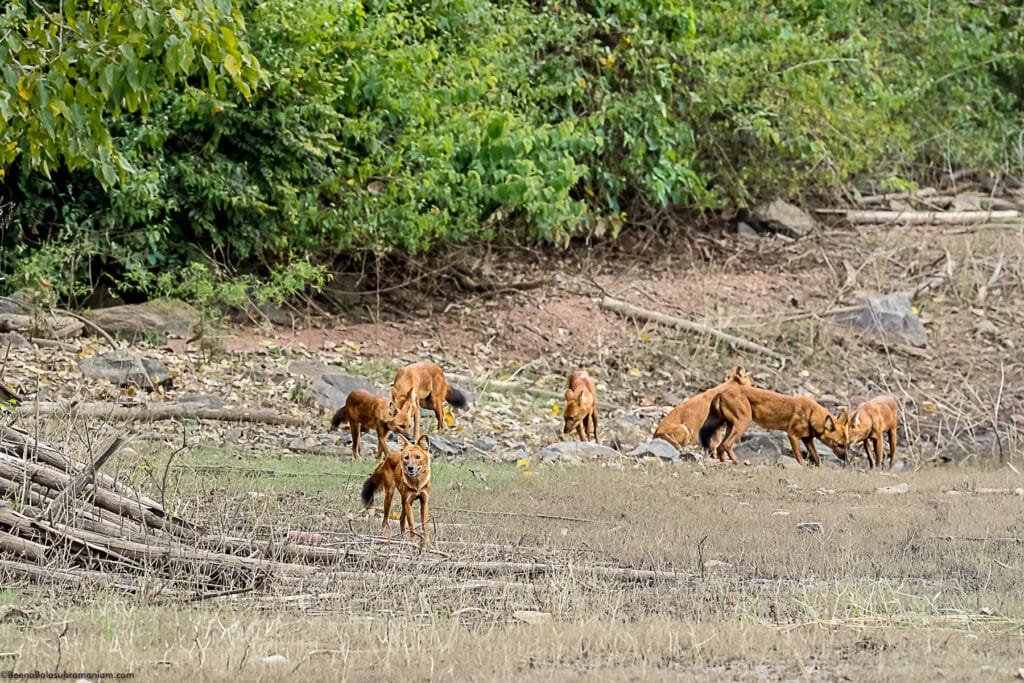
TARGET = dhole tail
x,y
371,485
711,424
456,398
339,417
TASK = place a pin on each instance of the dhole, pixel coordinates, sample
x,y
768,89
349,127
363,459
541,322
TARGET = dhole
x,y
868,422
581,406
407,470
424,385
801,418
364,411
680,426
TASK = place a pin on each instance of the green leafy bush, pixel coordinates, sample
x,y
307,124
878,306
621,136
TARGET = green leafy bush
x,y
402,125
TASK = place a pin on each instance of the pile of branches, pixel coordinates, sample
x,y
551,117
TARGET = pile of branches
x,y
68,520
62,520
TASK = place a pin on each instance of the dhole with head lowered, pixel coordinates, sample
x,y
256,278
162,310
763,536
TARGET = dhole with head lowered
x,y
424,385
680,426
867,424
581,406
364,411
407,470
803,419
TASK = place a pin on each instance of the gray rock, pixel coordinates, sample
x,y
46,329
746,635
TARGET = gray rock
x,y
486,444
14,341
124,368
788,462
987,328
657,448
763,445
575,451
782,217
234,434
511,454
744,230
330,391
134,321
889,317
442,446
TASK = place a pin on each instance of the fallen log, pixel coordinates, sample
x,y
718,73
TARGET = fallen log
x,y
630,311
862,217
167,410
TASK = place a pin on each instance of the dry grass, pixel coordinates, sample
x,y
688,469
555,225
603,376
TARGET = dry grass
x,y
893,586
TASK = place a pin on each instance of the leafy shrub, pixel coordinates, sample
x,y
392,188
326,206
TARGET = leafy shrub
x,y
401,125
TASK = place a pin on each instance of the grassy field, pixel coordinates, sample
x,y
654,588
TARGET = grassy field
x,y
640,572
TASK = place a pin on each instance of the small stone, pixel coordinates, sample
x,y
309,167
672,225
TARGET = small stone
x,y
811,527
274,660
898,488
744,230
531,616
987,328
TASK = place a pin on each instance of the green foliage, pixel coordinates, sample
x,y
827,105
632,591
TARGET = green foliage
x,y
400,125
68,68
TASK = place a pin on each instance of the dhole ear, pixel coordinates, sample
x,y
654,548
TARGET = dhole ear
x,y
424,443
856,420
585,398
569,395
392,408
405,442
830,422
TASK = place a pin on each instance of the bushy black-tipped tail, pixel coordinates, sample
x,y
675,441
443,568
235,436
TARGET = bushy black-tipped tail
x,y
456,399
711,425
339,417
369,488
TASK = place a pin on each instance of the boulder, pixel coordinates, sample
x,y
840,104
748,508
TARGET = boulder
x,y
124,368
133,322
330,391
889,317
781,217
656,448
573,452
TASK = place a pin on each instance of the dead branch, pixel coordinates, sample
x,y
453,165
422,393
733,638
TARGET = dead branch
x,y
631,311
863,217
167,410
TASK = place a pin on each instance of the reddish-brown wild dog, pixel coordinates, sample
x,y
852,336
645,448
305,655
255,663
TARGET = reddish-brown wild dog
x,y
802,418
365,412
680,426
867,424
581,406
424,385
408,471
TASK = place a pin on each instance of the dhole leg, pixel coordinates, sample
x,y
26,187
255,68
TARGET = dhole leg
x,y
388,494
581,430
794,443
407,518
879,451
732,434
425,521
382,444
356,431
439,411
871,456
813,450
415,420
892,448
593,421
